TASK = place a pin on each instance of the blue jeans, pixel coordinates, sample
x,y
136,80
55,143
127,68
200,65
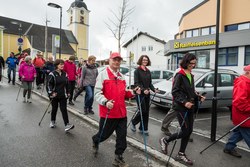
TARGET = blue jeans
x,y
237,135
13,74
89,97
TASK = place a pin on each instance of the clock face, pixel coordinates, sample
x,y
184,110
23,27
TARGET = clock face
x,y
82,12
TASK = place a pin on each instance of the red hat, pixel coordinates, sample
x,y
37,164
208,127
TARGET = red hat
x,y
115,55
247,68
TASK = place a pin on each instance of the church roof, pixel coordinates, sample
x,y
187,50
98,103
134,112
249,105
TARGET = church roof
x,y
36,34
79,4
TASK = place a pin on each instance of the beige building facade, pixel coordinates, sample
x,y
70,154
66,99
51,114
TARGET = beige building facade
x,y
197,29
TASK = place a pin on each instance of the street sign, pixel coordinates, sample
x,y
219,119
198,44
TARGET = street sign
x,y
20,41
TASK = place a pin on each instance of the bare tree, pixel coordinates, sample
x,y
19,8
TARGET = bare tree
x,y
120,22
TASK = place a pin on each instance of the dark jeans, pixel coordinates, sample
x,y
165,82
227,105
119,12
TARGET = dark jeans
x,y
71,89
144,100
13,74
39,76
89,97
119,125
63,107
186,129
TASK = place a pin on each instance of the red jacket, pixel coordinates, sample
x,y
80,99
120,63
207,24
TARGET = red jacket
x,y
112,88
241,101
70,69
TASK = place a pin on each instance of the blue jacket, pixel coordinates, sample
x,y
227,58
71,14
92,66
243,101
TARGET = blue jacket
x,y
12,62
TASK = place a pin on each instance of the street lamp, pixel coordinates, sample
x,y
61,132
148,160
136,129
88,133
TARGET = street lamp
x,y
60,34
20,40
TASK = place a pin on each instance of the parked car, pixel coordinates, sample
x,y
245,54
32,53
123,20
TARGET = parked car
x,y
123,68
204,80
157,75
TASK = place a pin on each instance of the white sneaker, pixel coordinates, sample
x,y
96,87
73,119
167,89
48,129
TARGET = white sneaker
x,y
69,127
29,101
24,99
52,124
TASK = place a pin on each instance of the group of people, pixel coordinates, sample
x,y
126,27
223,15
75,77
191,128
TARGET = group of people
x,y
110,91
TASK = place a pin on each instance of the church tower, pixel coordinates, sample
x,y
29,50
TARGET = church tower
x,y
79,25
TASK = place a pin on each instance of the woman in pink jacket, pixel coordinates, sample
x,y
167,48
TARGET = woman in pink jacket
x,y
27,72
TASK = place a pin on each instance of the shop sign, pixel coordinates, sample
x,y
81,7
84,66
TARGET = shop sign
x,y
179,45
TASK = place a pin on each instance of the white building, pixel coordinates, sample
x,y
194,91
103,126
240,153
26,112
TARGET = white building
x,y
145,44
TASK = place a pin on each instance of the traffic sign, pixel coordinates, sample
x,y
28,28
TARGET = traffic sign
x,y
20,41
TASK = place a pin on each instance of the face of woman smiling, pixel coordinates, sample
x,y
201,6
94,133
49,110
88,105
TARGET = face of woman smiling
x,y
144,61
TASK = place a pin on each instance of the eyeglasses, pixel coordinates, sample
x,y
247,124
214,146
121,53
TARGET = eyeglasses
x,y
192,63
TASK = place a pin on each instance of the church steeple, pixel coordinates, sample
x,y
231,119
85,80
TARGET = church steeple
x,y
79,25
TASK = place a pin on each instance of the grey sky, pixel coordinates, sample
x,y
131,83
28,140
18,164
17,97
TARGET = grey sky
x,y
157,17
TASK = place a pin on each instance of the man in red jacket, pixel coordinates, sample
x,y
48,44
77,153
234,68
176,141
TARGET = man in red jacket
x,y
70,69
110,93
240,112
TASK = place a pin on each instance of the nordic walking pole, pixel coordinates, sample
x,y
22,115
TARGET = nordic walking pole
x,y
144,136
45,112
175,141
103,126
18,93
225,134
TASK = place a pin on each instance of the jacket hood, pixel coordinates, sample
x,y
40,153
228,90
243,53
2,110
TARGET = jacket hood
x,y
242,78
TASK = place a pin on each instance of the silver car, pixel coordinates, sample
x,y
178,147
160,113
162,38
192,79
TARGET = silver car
x,y
204,80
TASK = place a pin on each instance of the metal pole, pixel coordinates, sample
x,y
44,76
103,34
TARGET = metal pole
x,y
214,104
60,34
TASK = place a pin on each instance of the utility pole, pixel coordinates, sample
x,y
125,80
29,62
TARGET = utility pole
x,y
46,38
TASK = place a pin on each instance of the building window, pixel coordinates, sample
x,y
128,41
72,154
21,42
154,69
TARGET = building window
x,y
233,27
203,58
205,31
188,33
196,33
71,19
247,55
82,20
244,26
150,48
143,48
212,30
228,57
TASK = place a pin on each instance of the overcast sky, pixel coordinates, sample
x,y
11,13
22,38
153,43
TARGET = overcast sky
x,y
159,18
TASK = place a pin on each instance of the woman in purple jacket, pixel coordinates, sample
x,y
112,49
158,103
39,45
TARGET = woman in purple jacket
x,y
27,72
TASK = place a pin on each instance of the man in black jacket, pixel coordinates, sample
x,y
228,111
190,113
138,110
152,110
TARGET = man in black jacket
x,y
2,66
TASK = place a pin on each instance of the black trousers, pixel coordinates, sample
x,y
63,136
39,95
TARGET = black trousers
x,y
144,100
63,107
71,89
186,129
39,76
119,125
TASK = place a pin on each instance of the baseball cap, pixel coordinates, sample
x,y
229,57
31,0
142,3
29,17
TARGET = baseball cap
x,y
247,68
115,55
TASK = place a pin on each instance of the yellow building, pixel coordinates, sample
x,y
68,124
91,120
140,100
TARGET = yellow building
x,y
197,28
32,37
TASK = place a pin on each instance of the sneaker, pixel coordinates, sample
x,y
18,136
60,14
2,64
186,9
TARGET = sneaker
x,y
232,152
119,161
132,127
74,98
91,111
24,99
85,112
52,124
164,146
71,103
69,127
29,101
145,132
181,157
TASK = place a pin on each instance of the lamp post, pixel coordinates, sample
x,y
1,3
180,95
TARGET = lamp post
x,y
20,40
60,34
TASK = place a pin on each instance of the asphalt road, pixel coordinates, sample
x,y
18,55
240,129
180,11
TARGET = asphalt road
x,y
25,144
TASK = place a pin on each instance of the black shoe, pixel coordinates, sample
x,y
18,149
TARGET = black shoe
x,y
191,140
13,83
232,152
91,111
71,103
74,98
119,161
9,81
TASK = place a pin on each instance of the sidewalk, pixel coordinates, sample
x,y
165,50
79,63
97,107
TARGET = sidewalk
x,y
212,157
